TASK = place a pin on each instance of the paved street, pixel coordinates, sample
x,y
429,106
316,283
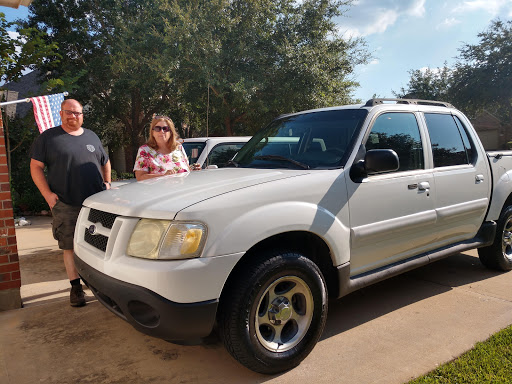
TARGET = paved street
x,y
388,333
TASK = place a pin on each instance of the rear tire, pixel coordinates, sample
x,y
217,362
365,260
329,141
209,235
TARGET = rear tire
x,y
274,312
498,255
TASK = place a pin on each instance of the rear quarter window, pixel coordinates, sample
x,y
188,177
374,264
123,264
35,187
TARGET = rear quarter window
x,y
449,140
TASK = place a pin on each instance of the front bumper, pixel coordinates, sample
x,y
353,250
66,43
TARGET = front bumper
x,y
147,311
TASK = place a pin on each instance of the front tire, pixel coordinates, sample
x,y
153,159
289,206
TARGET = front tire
x,y
274,312
498,255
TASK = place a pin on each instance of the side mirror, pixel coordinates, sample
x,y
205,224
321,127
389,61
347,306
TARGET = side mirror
x,y
381,160
375,161
213,166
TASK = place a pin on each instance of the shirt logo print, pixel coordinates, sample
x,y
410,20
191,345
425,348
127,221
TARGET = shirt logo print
x,y
90,147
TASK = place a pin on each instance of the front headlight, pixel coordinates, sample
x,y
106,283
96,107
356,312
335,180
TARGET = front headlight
x,y
163,239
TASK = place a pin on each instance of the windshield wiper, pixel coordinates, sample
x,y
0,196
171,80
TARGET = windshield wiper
x,y
232,163
282,158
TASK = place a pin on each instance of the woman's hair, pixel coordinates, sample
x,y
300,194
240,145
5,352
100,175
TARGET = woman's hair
x,y
172,143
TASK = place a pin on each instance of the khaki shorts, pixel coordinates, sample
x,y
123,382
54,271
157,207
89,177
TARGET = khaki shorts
x,y
64,222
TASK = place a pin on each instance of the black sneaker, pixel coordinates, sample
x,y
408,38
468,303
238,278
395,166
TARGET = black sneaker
x,y
77,296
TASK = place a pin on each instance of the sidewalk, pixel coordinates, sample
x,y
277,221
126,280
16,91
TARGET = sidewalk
x,y
388,333
43,275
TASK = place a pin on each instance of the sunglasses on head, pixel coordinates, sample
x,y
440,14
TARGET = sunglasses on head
x,y
158,128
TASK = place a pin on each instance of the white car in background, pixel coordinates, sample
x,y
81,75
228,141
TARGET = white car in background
x,y
213,152
209,152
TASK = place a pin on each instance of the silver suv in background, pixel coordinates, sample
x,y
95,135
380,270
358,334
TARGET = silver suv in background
x,y
213,152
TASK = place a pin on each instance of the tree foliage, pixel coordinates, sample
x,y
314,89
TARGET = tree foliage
x,y
428,84
480,79
24,52
234,64
484,71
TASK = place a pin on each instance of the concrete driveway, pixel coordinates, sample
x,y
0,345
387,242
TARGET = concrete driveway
x,y
387,333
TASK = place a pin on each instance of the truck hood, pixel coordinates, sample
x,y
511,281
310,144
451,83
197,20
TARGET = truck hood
x,y
164,197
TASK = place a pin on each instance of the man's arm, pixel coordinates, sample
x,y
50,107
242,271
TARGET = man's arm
x,y
37,173
107,174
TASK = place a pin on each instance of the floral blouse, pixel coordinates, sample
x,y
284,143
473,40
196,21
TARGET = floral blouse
x,y
152,161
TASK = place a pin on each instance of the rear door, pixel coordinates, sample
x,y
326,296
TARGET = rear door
x,y
461,178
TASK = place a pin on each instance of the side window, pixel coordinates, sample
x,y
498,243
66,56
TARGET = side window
x,y
465,138
193,151
400,132
222,153
450,145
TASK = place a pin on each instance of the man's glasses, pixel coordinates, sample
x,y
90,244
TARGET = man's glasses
x,y
69,113
158,128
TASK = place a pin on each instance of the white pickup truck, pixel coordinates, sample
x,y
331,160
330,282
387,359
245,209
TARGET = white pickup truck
x,y
316,205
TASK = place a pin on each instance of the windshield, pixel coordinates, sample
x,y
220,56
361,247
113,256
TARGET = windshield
x,y
193,150
316,140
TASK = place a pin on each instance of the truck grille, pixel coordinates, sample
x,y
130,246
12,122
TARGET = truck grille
x,y
106,219
97,241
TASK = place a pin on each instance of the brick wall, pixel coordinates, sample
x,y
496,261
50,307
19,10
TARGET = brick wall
x,y
10,279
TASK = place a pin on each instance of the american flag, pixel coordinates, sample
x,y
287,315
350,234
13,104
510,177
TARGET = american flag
x,y
46,111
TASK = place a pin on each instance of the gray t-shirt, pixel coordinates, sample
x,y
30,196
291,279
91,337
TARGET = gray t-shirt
x,y
74,163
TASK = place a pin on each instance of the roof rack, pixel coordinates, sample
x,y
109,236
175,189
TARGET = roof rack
x,y
373,102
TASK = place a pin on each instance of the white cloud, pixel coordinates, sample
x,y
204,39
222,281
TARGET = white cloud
x,y
16,36
493,7
13,35
350,32
417,9
379,24
374,62
366,18
448,22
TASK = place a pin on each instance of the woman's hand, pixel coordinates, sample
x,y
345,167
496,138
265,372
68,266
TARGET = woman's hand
x,y
196,167
170,172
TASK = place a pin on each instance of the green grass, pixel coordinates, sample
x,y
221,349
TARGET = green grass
x,y
488,362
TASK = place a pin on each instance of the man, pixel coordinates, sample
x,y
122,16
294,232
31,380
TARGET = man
x,y
78,167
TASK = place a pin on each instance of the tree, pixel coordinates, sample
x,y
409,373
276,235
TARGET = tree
x,y
111,62
484,71
24,52
481,78
262,58
428,84
243,61
17,54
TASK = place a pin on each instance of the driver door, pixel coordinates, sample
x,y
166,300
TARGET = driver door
x,y
392,214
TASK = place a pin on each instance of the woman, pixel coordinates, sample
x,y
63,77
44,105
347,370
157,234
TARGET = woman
x,y
162,154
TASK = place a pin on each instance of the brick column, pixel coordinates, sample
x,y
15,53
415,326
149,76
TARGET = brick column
x,y
10,278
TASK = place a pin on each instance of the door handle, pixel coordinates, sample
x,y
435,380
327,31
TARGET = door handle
x,y
424,186
479,179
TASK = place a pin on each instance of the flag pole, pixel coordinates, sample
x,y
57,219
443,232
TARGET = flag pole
x,y
27,100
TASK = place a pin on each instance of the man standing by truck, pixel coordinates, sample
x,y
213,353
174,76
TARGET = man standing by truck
x,y
78,167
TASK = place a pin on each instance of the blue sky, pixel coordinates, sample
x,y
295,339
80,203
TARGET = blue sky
x,y
403,35
407,35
